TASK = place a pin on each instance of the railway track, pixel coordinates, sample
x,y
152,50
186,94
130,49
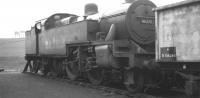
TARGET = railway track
x,y
107,90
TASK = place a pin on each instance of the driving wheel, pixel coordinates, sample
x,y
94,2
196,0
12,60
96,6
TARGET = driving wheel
x,y
134,81
72,69
96,76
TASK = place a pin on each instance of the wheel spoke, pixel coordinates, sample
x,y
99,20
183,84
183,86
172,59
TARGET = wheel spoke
x,y
72,70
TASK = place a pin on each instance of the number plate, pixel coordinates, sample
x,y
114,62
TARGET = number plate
x,y
168,53
147,20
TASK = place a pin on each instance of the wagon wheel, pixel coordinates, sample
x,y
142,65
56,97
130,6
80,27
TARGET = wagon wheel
x,y
45,67
96,76
44,70
59,68
62,69
55,67
134,81
35,67
72,70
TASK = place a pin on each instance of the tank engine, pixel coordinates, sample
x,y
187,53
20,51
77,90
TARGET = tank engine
x,y
118,47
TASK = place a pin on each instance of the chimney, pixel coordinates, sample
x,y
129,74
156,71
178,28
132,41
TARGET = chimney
x,y
129,1
91,9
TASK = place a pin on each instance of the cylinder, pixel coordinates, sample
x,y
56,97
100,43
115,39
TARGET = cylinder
x,y
104,57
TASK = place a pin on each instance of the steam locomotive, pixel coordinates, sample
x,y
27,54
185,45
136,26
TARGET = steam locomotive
x,y
117,47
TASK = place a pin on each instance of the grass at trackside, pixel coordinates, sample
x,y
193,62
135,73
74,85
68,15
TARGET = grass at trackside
x,y
12,63
12,52
12,47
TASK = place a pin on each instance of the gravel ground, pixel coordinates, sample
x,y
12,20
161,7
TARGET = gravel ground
x,y
17,85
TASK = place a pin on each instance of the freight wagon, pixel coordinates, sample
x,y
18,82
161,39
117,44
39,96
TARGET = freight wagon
x,y
178,44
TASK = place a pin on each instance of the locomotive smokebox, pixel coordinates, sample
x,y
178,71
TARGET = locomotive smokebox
x,y
133,21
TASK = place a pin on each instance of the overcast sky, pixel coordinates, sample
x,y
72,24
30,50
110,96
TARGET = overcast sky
x,y
20,15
